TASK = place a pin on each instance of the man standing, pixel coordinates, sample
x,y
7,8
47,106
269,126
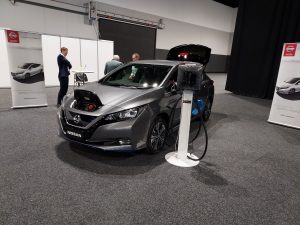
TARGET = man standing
x,y
64,67
112,64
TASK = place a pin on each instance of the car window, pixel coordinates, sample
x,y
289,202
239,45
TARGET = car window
x,y
35,66
26,65
292,81
137,75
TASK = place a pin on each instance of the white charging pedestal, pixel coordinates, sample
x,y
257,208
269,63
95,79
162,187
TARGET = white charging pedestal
x,y
180,158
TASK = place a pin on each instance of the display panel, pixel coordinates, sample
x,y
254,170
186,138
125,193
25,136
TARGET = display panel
x,y
89,58
73,44
105,54
285,108
51,49
5,74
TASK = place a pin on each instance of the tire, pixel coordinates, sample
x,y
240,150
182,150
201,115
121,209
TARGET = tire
x,y
157,136
207,110
292,91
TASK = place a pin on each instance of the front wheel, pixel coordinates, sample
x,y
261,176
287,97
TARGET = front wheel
x,y
157,135
292,91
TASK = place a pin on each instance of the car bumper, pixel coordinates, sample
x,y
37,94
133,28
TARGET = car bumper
x,y
282,91
18,76
117,136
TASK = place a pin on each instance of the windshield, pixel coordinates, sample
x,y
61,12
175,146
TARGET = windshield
x,y
292,81
25,65
138,76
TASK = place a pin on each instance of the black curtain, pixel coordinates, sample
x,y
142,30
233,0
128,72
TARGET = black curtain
x,y
129,38
262,26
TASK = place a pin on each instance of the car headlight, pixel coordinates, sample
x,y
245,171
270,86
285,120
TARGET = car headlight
x,y
124,115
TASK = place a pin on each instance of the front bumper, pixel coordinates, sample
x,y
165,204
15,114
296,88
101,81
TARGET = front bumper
x,y
283,91
18,75
117,136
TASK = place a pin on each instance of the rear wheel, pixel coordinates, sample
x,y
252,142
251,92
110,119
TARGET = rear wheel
x,y
207,110
157,135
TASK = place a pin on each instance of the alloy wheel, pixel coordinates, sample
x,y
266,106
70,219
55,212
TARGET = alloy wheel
x,y
158,135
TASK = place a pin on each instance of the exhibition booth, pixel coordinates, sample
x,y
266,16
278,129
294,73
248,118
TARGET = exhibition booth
x,y
29,63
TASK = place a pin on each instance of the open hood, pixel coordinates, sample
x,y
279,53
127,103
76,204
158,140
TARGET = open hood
x,y
191,53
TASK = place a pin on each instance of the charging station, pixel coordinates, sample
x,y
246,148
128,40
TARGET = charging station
x,y
189,80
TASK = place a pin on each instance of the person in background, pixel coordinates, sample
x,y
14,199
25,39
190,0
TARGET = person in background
x,y
135,57
112,64
64,67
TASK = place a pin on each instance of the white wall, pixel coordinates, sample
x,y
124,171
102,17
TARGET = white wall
x,y
24,17
193,21
205,13
171,36
5,72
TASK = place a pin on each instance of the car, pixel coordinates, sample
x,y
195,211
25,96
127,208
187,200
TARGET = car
x,y
27,70
289,86
131,108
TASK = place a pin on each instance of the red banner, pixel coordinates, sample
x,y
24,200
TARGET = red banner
x,y
290,49
13,36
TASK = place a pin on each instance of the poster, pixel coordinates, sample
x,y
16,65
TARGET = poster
x,y
285,108
26,70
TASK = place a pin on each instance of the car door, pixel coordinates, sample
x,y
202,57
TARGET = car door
x,y
34,69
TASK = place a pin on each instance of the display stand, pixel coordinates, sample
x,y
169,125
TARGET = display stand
x,y
180,158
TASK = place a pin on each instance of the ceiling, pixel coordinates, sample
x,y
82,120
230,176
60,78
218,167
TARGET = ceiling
x,y
231,3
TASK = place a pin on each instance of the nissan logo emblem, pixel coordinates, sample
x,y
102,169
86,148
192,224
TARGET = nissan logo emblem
x,y
76,119
12,35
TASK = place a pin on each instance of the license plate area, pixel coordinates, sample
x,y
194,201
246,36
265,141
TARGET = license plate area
x,y
75,134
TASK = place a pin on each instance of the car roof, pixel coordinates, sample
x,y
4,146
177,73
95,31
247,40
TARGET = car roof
x,y
162,62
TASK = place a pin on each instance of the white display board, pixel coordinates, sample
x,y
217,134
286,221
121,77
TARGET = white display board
x,y
73,45
285,108
51,49
105,54
5,73
89,58
27,73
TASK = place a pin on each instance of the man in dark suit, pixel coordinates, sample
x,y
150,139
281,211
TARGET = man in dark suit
x,y
112,64
64,67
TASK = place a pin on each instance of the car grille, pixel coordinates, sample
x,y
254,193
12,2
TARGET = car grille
x,y
79,120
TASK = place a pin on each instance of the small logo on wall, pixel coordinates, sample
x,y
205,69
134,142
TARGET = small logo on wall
x,y
13,36
290,49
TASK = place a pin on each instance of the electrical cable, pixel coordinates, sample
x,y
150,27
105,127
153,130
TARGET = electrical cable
x,y
206,136
201,123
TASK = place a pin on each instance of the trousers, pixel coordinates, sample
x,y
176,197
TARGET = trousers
x,y
64,84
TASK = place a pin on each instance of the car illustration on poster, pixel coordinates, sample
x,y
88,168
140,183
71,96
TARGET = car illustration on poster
x,y
289,86
132,107
27,70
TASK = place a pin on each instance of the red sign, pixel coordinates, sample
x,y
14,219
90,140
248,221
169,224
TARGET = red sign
x,y
290,49
12,36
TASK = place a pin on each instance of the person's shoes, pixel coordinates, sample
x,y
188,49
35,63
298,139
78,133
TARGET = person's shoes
x,y
58,105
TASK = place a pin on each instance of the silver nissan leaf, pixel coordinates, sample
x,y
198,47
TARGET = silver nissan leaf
x,y
130,108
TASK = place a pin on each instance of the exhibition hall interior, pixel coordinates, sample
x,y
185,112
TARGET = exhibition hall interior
x,y
149,112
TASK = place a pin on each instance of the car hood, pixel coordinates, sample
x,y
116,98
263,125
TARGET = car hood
x,y
119,98
19,70
284,85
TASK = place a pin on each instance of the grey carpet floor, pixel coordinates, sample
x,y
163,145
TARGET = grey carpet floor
x,y
251,174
